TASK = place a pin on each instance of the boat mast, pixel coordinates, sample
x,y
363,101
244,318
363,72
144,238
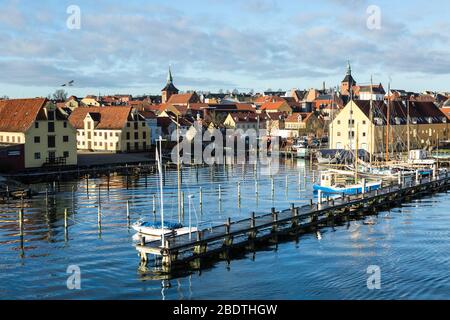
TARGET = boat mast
x,y
407,124
159,160
356,155
178,171
388,122
371,120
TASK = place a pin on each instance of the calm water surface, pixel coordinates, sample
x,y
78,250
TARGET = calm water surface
x,y
410,244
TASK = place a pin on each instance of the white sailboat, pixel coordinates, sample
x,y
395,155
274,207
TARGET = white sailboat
x,y
156,230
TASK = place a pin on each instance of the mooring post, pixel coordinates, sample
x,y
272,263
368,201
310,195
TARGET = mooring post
x,y
400,178
99,215
128,210
65,218
287,183
417,177
182,205
319,200
201,196
313,176
273,187
239,191
311,203
46,196
220,192
363,186
108,177
256,187
21,222
275,219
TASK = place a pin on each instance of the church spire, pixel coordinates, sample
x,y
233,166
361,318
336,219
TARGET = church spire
x,y
349,68
169,76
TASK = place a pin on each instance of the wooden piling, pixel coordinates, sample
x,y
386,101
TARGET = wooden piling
x,y
154,204
201,197
128,210
21,222
65,219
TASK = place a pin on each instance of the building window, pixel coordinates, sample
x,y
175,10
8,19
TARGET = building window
x,y
143,124
13,139
364,122
51,141
136,135
364,134
128,124
89,125
51,127
95,133
37,155
110,134
117,134
37,139
136,146
95,143
128,136
66,154
65,138
51,115
338,134
36,125
52,155
65,124
136,125
339,122
144,135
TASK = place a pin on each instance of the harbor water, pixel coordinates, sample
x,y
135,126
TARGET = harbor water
x,y
409,245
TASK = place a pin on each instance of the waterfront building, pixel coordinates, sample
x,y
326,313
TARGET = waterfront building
x,y
277,106
359,122
112,129
242,120
372,92
304,124
47,136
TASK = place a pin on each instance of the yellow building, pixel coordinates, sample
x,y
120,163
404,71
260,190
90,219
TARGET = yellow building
x,y
42,128
242,121
112,129
305,124
359,122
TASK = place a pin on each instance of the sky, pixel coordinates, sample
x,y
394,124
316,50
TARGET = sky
x,y
127,46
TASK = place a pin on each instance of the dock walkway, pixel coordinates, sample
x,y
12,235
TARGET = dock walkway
x,y
181,249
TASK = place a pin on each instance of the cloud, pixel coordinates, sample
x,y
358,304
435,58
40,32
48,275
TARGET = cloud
x,y
130,45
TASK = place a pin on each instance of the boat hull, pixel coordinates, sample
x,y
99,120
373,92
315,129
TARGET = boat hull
x,y
350,190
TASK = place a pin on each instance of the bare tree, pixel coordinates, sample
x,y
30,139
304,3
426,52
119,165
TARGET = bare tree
x,y
60,95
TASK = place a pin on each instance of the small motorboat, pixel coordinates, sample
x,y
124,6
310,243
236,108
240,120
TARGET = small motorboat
x,y
329,185
155,229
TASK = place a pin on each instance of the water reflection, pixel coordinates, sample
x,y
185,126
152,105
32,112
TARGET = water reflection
x,y
102,244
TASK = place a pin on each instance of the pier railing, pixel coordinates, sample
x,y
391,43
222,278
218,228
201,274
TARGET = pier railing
x,y
185,247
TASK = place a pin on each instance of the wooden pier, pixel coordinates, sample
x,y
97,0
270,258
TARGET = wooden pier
x,y
181,250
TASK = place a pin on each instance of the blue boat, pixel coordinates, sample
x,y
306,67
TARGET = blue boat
x,y
328,185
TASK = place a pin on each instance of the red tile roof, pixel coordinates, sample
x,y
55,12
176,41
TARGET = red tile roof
x,y
273,105
18,115
181,98
109,118
295,117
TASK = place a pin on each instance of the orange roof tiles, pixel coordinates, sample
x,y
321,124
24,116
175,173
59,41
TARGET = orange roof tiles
x,y
273,105
18,115
112,118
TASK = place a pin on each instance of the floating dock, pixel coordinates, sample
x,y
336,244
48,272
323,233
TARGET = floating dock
x,y
181,250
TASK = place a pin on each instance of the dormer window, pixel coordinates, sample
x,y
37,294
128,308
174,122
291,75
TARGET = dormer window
x,y
414,120
378,121
430,120
398,120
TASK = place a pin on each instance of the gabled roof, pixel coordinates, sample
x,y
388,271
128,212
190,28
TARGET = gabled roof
x,y
273,105
184,98
107,118
18,115
264,99
299,117
419,112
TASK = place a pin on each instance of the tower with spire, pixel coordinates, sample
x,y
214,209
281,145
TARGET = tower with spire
x,y
169,89
348,83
